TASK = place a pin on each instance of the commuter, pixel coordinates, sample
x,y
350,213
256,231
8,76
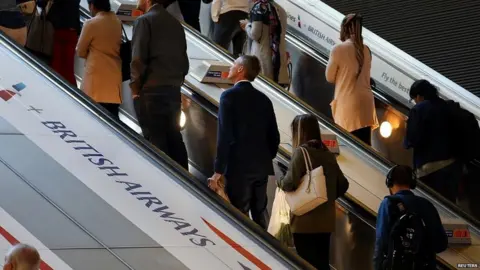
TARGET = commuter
x,y
227,15
266,30
99,43
429,134
247,141
311,88
22,257
206,22
353,106
421,221
191,12
12,22
65,17
158,69
312,231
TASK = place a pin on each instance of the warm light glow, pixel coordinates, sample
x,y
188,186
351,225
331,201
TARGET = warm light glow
x,y
183,120
386,129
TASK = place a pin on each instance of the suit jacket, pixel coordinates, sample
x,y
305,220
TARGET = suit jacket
x,y
159,51
353,106
99,43
248,136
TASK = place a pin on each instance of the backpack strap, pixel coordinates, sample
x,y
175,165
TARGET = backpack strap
x,y
397,203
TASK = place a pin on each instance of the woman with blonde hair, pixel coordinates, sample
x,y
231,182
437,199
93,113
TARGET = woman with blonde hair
x,y
353,105
311,231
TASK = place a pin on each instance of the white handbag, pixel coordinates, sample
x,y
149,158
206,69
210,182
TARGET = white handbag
x,y
312,191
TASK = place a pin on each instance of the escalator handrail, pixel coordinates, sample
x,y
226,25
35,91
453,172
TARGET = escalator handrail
x,y
161,160
348,203
320,56
349,139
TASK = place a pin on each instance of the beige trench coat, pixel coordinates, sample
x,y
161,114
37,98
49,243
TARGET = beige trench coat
x,y
99,44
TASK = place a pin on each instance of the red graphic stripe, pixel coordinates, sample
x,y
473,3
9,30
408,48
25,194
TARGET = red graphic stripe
x,y
6,94
245,253
12,240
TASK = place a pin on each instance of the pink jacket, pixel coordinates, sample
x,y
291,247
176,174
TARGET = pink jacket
x,y
353,105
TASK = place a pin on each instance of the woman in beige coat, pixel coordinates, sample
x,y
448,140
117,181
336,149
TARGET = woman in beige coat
x,y
353,106
99,44
266,32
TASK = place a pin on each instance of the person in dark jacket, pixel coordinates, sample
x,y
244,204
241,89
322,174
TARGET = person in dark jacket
x,y
312,231
12,22
429,134
65,18
247,141
399,183
158,69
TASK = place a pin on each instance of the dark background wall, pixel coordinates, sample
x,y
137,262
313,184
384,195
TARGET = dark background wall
x,y
443,34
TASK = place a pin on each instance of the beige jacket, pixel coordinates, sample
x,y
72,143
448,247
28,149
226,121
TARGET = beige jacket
x,y
353,105
99,44
259,45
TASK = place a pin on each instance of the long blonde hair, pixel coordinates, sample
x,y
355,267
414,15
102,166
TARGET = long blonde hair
x,y
352,28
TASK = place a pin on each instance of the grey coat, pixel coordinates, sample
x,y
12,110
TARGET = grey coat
x,y
159,51
259,45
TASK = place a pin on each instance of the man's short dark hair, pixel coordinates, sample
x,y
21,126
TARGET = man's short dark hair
x,y
423,88
102,5
402,175
251,64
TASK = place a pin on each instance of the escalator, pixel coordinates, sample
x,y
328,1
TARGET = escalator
x,y
92,194
356,160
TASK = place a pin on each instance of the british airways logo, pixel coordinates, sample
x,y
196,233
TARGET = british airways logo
x,y
7,94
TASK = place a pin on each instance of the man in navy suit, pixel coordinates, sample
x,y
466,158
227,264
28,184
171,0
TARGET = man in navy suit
x,y
247,141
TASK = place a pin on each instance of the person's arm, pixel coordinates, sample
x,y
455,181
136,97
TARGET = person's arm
x,y
224,133
295,172
414,129
332,66
254,30
186,62
382,234
438,236
273,133
342,183
84,41
140,54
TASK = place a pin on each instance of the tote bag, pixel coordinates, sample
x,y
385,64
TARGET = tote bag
x,y
40,35
312,191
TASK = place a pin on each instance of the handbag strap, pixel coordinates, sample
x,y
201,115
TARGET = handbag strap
x,y
308,165
125,33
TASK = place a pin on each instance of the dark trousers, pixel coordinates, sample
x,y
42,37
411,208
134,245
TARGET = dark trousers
x,y
364,134
445,181
158,112
249,194
111,108
227,30
314,248
191,12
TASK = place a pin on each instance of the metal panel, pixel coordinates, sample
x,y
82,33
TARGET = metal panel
x,y
441,35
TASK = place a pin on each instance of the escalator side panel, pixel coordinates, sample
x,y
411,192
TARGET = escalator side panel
x,y
191,231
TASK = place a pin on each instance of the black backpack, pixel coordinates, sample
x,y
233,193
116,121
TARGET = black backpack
x,y
407,239
465,141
